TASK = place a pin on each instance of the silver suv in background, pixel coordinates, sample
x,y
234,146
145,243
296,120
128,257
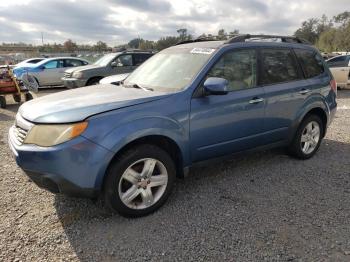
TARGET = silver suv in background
x,y
110,64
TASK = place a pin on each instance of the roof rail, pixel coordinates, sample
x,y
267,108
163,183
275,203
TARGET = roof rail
x,y
286,39
207,38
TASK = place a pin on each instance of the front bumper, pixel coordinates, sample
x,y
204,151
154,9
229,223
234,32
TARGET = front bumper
x,y
73,82
74,168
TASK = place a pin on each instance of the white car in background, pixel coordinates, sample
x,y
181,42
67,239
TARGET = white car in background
x,y
29,62
115,79
340,68
49,72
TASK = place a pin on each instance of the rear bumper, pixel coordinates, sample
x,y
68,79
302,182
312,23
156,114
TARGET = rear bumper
x,y
73,82
74,168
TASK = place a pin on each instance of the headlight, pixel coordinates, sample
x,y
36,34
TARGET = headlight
x,y
77,75
50,135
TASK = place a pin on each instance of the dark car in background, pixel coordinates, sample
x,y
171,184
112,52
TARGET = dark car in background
x,y
109,64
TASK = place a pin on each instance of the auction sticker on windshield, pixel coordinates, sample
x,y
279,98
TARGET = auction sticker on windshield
x,y
206,51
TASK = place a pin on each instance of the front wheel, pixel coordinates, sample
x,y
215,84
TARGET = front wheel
x,y
139,181
308,138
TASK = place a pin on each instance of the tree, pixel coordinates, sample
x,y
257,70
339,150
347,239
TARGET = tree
x,y
100,46
222,34
182,33
69,45
342,18
308,30
135,43
326,41
166,42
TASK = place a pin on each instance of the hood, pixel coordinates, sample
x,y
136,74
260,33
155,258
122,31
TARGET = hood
x,y
81,68
78,104
113,79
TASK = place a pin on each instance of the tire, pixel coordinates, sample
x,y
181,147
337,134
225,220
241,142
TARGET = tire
x,y
145,195
2,102
93,81
28,96
299,148
17,98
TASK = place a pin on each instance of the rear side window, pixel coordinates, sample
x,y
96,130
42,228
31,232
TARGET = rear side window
x,y
339,61
73,63
140,58
311,62
278,66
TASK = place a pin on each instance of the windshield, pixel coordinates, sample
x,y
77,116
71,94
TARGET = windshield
x,y
171,70
105,60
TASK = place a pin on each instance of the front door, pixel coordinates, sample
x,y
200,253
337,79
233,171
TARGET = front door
x,y
124,64
52,73
223,124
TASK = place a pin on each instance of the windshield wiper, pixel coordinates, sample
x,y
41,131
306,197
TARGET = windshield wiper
x,y
139,87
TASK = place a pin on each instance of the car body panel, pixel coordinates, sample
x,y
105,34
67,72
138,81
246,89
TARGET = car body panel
x,y
78,104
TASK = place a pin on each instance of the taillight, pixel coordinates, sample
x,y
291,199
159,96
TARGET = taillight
x,y
333,84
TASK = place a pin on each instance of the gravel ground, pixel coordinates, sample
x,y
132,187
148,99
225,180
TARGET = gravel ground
x,y
255,207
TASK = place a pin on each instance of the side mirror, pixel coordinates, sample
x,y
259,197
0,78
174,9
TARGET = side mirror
x,y
42,67
216,86
115,64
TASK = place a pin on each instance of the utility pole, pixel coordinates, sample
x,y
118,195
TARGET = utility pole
x,y
42,38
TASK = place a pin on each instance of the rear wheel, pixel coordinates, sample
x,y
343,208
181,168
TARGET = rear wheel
x,y
308,138
139,181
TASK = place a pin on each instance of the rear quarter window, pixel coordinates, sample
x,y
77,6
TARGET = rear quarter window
x,y
311,62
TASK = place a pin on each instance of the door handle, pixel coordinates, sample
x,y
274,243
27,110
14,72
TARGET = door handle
x,y
304,91
256,100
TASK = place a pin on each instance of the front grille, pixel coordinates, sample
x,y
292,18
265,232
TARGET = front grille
x,y
20,129
19,134
67,74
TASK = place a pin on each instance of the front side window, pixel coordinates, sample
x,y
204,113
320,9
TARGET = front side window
x,y
124,60
238,67
311,62
277,66
105,60
54,64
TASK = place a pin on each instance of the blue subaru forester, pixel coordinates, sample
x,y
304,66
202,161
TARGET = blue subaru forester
x,y
189,103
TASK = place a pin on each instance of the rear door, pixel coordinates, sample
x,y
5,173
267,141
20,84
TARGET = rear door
x,y
284,85
140,58
340,68
223,124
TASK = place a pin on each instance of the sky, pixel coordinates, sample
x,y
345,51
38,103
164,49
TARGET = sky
x,y
118,21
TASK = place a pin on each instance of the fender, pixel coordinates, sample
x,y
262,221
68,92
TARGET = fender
x,y
122,135
313,102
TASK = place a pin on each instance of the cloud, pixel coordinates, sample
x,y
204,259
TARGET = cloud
x,y
118,21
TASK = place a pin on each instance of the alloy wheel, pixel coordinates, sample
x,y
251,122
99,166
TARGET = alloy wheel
x,y
310,137
143,183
